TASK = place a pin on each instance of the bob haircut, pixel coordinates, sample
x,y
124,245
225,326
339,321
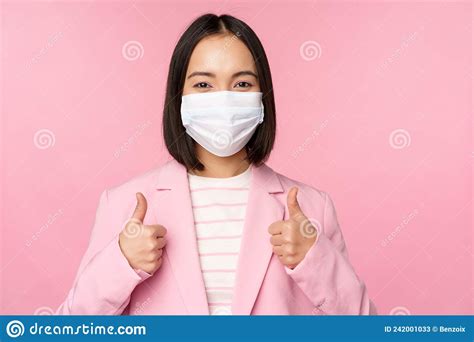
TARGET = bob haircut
x,y
179,144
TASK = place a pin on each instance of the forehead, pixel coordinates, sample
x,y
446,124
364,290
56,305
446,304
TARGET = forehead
x,y
221,53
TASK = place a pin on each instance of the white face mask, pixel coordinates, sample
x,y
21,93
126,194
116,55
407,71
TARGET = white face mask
x,y
223,121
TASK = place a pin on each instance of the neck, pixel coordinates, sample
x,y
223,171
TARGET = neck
x,y
221,167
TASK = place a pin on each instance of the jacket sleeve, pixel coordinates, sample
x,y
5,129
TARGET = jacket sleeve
x,y
105,279
326,276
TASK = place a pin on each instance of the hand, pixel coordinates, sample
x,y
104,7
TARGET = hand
x,y
292,238
141,244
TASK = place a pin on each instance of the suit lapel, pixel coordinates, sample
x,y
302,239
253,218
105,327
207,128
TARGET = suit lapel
x,y
172,199
256,250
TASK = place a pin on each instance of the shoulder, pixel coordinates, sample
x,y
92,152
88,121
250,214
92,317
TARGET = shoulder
x,y
313,200
145,182
305,190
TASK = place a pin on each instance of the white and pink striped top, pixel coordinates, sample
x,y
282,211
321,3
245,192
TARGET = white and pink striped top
x,y
219,206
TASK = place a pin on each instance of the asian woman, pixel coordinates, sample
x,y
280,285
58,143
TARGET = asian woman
x,y
215,230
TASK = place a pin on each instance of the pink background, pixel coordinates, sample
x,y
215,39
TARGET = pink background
x,y
374,102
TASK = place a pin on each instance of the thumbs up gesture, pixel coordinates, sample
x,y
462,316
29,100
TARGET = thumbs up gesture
x,y
291,239
141,244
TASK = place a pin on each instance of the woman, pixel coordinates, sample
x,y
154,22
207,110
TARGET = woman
x,y
215,230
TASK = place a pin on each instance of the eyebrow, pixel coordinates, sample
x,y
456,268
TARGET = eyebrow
x,y
210,74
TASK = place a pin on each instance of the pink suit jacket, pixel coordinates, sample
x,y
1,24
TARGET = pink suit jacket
x,y
323,283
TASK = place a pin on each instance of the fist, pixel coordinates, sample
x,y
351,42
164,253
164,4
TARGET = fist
x,y
141,244
291,239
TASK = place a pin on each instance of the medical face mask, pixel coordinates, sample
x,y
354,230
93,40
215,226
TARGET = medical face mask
x,y
223,121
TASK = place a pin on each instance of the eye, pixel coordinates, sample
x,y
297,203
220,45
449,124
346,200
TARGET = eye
x,y
243,84
202,85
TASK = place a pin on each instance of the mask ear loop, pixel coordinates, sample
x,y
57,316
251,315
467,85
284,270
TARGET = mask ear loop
x,y
262,113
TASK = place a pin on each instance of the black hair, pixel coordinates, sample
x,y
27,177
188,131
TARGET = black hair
x,y
179,144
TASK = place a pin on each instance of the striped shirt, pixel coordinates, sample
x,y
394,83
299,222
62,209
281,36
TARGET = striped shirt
x,y
219,206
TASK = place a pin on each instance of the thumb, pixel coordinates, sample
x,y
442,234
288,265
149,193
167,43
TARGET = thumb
x,y
140,209
294,209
